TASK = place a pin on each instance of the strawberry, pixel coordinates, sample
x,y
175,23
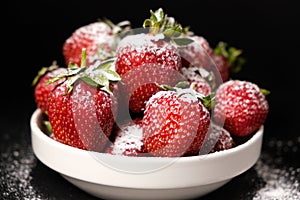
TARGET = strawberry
x,y
222,65
82,109
43,90
98,38
242,107
197,53
146,59
194,77
218,139
175,123
82,118
200,54
127,139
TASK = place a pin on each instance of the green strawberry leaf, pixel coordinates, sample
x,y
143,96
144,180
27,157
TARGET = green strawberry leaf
x,y
173,31
43,71
182,41
83,58
70,83
147,23
107,64
264,91
159,22
237,65
155,21
221,49
117,28
164,87
101,75
186,30
158,15
209,101
73,70
97,75
111,75
89,81
105,70
101,81
232,55
48,126
54,79
182,84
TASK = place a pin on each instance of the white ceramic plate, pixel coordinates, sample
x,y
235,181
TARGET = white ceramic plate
x,y
120,177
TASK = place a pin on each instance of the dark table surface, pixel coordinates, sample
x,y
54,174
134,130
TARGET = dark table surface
x,y
265,30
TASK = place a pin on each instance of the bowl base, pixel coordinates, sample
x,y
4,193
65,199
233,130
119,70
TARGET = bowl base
x,y
109,192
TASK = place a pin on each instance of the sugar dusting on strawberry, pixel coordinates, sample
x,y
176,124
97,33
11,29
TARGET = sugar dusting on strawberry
x,y
136,50
142,61
200,54
82,109
82,118
197,53
128,139
175,124
42,90
194,77
90,37
242,105
218,139
98,38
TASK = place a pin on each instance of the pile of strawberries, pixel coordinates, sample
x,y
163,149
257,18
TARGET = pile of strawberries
x,y
160,90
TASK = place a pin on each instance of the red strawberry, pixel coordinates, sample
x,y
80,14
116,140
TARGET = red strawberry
x,y
196,53
193,76
144,60
82,110
222,65
242,105
147,59
43,90
97,38
82,118
127,139
200,54
175,123
218,139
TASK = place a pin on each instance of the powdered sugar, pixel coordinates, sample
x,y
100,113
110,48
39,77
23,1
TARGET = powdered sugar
x,y
135,50
186,95
280,183
195,75
81,97
129,138
16,167
140,40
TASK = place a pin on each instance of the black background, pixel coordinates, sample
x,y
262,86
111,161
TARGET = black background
x,y
33,33
266,31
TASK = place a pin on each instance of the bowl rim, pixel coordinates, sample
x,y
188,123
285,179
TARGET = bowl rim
x,y
180,161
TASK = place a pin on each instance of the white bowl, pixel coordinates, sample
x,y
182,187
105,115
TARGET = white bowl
x,y
120,177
